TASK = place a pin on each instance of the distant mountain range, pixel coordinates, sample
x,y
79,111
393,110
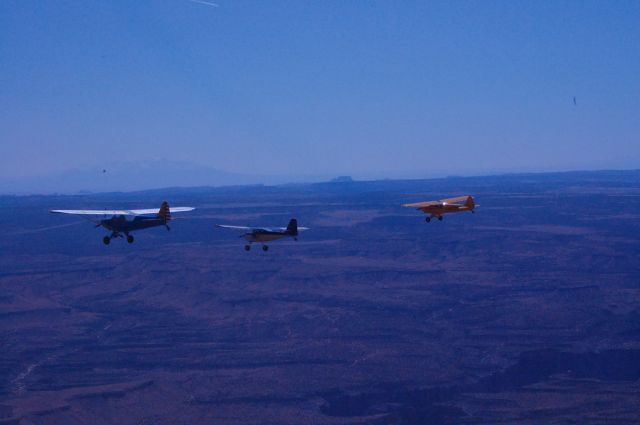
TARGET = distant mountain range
x,y
130,176
161,174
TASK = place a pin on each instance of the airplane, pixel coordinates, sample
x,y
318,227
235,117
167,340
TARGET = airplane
x,y
118,223
437,209
264,234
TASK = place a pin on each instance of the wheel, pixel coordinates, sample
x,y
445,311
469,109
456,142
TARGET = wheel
x,y
440,218
265,248
247,247
428,219
106,240
129,238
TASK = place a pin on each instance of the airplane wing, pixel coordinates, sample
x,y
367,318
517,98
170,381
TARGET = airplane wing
x,y
282,229
251,229
119,212
449,201
422,204
225,226
93,212
155,210
181,209
455,200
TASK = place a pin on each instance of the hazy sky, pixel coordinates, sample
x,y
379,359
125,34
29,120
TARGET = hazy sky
x,y
368,88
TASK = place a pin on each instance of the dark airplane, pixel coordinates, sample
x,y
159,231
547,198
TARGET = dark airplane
x,y
118,223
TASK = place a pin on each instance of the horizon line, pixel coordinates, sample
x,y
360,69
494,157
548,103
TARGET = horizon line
x,y
305,183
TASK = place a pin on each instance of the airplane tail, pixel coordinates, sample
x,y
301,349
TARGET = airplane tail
x,y
469,203
292,228
164,213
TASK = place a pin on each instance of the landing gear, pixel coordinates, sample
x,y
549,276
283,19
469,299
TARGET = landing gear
x,y
428,219
129,238
106,240
265,248
247,247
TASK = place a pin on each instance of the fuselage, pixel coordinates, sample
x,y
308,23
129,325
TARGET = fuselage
x,y
120,224
265,236
440,210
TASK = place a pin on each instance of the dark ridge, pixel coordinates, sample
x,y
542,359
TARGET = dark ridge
x,y
6,411
412,406
112,393
266,400
51,411
535,366
399,404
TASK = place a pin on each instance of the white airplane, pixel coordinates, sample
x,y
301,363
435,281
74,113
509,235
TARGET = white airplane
x,y
264,234
118,223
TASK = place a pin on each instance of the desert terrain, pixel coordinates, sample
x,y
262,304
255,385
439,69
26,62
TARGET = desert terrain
x,y
527,311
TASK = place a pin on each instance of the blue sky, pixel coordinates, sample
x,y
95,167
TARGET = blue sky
x,y
369,88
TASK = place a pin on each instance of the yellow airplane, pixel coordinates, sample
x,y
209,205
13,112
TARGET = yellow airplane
x,y
437,209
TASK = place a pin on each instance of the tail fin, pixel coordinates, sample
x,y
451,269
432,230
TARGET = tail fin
x,y
292,228
469,202
164,213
